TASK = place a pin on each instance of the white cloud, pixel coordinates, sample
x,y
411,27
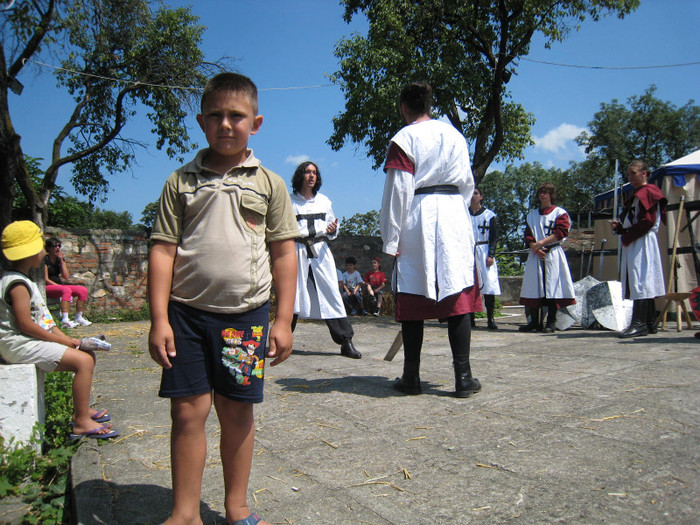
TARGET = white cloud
x,y
559,139
295,160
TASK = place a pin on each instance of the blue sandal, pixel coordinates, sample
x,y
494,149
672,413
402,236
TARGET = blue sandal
x,y
253,519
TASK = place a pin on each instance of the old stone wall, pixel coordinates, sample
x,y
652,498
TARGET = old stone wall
x,y
112,264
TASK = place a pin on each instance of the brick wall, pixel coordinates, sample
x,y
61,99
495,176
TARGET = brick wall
x,y
112,264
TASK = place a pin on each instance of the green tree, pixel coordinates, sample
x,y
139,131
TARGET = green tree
x,y
66,211
109,219
468,50
361,224
155,56
148,215
645,128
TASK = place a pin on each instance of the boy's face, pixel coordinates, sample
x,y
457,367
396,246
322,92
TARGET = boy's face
x,y
228,120
545,198
476,198
349,267
375,265
637,177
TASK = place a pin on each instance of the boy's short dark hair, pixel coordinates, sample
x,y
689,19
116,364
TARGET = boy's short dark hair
x,y
350,260
235,82
298,177
418,97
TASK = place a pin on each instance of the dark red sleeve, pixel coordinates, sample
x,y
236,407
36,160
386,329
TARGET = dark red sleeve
x,y
649,196
396,158
561,227
529,236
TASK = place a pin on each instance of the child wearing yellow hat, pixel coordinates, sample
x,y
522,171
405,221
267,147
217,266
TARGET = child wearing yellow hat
x,y
28,333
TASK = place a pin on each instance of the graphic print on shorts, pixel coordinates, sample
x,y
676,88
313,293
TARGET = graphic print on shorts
x,y
239,355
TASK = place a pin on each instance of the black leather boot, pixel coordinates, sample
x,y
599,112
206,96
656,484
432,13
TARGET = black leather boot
x,y
490,301
534,325
551,325
348,349
465,384
409,382
652,322
638,327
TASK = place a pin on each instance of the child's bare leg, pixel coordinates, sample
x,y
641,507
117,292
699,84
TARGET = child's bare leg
x,y
188,451
237,441
83,364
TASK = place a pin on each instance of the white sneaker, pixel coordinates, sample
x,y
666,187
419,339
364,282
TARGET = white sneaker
x,y
83,321
67,323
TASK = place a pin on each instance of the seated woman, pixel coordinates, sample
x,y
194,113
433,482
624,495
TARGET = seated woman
x,y
55,273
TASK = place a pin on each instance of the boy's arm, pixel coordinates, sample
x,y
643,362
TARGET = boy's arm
x,y
161,342
21,308
284,275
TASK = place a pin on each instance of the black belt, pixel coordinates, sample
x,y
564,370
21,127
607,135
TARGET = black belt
x,y
550,246
309,243
481,242
442,189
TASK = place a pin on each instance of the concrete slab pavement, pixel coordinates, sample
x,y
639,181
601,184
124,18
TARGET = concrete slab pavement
x,y
573,427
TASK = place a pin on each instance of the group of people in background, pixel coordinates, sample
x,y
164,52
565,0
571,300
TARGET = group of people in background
x,y
210,328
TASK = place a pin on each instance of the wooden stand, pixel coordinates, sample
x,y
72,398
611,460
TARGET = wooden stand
x,y
671,297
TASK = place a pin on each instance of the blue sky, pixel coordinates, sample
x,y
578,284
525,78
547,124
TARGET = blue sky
x,y
283,44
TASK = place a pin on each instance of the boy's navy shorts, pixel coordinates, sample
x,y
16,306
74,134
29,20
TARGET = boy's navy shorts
x,y
220,352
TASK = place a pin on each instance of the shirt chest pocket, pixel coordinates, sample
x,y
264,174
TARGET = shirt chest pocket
x,y
253,211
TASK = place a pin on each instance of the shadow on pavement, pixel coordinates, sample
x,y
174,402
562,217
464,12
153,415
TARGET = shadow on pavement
x,y
138,504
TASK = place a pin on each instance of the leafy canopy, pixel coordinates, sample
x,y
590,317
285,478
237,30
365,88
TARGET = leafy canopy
x,y
645,128
467,50
117,58
361,224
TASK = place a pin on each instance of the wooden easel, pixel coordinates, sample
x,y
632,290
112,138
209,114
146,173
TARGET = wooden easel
x,y
671,297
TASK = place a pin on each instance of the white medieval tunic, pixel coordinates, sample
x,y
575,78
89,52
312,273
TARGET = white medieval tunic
x,y
485,236
431,232
320,298
642,271
549,278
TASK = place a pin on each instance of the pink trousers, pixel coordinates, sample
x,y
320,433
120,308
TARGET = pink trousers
x,y
67,291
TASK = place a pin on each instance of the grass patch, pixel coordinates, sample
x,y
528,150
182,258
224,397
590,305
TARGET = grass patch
x,y
121,315
42,481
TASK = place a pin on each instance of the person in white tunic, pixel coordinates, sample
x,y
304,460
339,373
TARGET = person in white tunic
x,y
425,224
642,273
485,228
318,295
547,280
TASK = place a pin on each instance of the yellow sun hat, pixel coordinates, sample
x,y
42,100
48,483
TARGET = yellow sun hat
x,y
21,239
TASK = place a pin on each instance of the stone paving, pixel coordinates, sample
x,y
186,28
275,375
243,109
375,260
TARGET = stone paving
x,y
573,427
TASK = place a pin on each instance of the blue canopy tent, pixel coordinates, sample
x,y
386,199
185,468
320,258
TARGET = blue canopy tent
x,y
678,169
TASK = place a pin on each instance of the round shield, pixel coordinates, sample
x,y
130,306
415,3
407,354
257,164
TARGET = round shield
x,y
608,307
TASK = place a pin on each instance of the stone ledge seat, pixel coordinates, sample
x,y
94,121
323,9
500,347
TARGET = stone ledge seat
x,y
21,401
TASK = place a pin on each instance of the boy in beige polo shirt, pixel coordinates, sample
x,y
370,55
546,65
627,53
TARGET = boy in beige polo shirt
x,y
224,229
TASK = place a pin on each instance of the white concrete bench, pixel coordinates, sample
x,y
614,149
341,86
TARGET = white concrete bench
x,y
21,401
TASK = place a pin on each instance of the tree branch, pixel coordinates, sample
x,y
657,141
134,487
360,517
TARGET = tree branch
x,y
33,44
